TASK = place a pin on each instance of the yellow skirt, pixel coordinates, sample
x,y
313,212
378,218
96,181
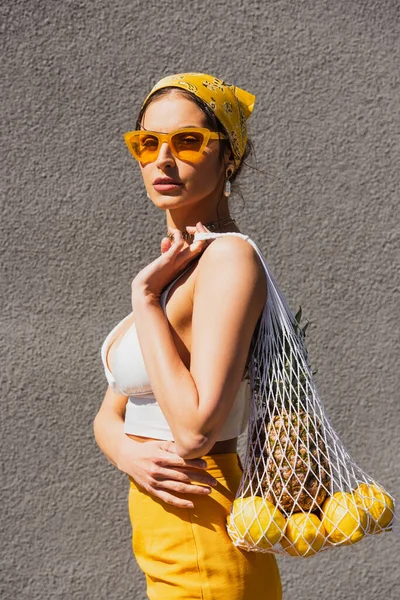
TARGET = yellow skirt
x,y
186,554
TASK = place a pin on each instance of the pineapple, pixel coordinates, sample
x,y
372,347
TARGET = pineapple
x,y
292,459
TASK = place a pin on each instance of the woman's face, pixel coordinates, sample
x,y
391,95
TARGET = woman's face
x,y
198,182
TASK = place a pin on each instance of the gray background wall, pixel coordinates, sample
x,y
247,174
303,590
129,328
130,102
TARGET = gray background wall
x,y
76,227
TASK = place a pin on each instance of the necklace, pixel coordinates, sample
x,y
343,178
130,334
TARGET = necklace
x,y
212,226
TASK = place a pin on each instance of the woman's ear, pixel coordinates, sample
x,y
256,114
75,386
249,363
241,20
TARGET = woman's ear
x,y
230,169
228,157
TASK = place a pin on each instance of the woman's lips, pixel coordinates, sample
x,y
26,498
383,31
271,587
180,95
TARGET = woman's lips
x,y
166,185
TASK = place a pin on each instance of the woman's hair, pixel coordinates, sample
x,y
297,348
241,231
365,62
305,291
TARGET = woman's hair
x,y
212,122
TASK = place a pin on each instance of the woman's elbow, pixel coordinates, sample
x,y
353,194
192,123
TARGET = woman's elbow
x,y
193,445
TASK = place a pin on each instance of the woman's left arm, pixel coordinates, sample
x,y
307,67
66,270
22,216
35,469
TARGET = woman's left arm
x,y
230,292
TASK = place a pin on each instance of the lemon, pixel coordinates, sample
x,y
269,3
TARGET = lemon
x,y
344,521
378,504
304,535
258,521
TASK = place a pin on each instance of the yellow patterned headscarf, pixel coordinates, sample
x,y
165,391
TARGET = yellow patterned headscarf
x,y
231,105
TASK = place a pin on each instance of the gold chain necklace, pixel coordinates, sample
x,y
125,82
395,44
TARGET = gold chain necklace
x,y
212,226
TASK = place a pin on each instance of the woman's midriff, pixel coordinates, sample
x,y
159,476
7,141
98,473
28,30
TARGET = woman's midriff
x,y
222,447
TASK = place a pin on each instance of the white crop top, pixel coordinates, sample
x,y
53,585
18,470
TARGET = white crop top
x,y
143,416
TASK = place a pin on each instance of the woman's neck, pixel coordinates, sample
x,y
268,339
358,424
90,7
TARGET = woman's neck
x,y
222,223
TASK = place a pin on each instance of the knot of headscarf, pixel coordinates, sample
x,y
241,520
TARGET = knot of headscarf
x,y
231,105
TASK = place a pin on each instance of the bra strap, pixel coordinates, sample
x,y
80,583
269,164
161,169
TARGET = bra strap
x,y
213,234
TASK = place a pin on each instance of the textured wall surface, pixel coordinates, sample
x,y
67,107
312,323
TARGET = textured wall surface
x,y
76,227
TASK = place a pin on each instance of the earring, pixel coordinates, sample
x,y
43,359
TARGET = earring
x,y
227,190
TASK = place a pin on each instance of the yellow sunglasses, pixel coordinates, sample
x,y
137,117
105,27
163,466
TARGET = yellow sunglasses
x,y
187,144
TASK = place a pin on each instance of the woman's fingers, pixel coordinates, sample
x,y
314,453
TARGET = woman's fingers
x,y
181,488
157,467
177,474
166,490
178,237
174,460
178,248
175,467
179,242
186,476
165,244
200,476
199,245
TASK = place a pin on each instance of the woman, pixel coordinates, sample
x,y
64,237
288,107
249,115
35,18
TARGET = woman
x,y
176,437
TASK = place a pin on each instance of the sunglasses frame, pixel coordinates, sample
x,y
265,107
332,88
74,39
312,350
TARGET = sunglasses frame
x,y
166,137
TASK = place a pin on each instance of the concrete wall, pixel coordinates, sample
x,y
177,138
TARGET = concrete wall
x,y
76,227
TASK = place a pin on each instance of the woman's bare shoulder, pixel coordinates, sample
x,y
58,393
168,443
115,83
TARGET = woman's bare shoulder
x,y
230,283
229,251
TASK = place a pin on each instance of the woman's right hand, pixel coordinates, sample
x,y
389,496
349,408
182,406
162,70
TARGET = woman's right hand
x,y
156,467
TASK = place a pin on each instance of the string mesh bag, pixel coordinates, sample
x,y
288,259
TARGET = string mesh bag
x,y
300,492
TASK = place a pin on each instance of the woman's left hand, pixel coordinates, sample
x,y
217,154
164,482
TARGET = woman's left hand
x,y
151,280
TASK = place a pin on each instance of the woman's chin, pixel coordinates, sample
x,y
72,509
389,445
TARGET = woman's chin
x,y
168,200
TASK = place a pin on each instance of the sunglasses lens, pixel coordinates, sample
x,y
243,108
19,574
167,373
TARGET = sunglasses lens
x,y
185,144
188,144
144,147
